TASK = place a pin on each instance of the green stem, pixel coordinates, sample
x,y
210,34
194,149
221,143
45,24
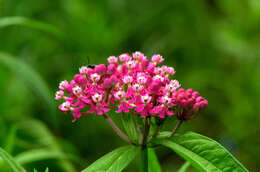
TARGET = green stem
x,y
144,145
176,128
116,129
144,160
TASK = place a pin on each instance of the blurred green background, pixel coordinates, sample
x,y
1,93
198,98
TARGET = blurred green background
x,y
214,45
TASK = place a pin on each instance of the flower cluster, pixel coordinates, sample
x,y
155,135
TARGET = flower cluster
x,y
190,103
128,84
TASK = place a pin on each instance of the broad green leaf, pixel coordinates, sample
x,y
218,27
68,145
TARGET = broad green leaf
x,y
202,152
130,125
38,155
16,167
184,167
153,163
31,78
18,20
34,170
114,161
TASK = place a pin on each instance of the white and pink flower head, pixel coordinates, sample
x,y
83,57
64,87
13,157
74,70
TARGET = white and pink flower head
x,y
95,77
112,60
59,95
138,56
119,95
131,85
83,70
157,59
97,98
128,79
125,57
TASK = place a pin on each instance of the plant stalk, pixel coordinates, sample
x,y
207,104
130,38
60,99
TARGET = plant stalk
x,y
144,157
176,128
144,145
116,129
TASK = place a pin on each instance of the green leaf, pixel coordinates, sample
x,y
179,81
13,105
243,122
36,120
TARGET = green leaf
x,y
38,155
38,132
42,136
114,161
130,126
153,163
34,170
164,134
10,140
16,167
31,78
184,167
18,20
47,169
202,152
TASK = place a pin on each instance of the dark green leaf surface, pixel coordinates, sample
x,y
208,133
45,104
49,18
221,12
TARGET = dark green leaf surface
x,y
114,161
153,163
203,153
11,162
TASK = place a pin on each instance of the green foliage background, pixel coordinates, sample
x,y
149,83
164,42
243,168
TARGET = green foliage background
x,y
214,45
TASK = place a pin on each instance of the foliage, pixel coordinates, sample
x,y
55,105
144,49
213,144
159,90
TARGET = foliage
x,y
214,45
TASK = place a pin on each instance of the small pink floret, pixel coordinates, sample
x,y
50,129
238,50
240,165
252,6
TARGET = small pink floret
x,y
157,59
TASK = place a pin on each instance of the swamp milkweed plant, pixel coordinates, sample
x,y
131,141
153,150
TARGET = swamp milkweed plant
x,y
146,94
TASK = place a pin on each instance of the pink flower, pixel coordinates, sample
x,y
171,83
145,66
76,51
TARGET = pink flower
x,y
76,113
100,69
170,70
110,82
95,77
141,79
119,95
137,87
127,79
59,95
125,57
111,68
77,90
97,98
80,79
172,86
162,110
157,59
112,60
65,107
145,107
83,70
63,85
124,107
159,78
131,64
138,56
